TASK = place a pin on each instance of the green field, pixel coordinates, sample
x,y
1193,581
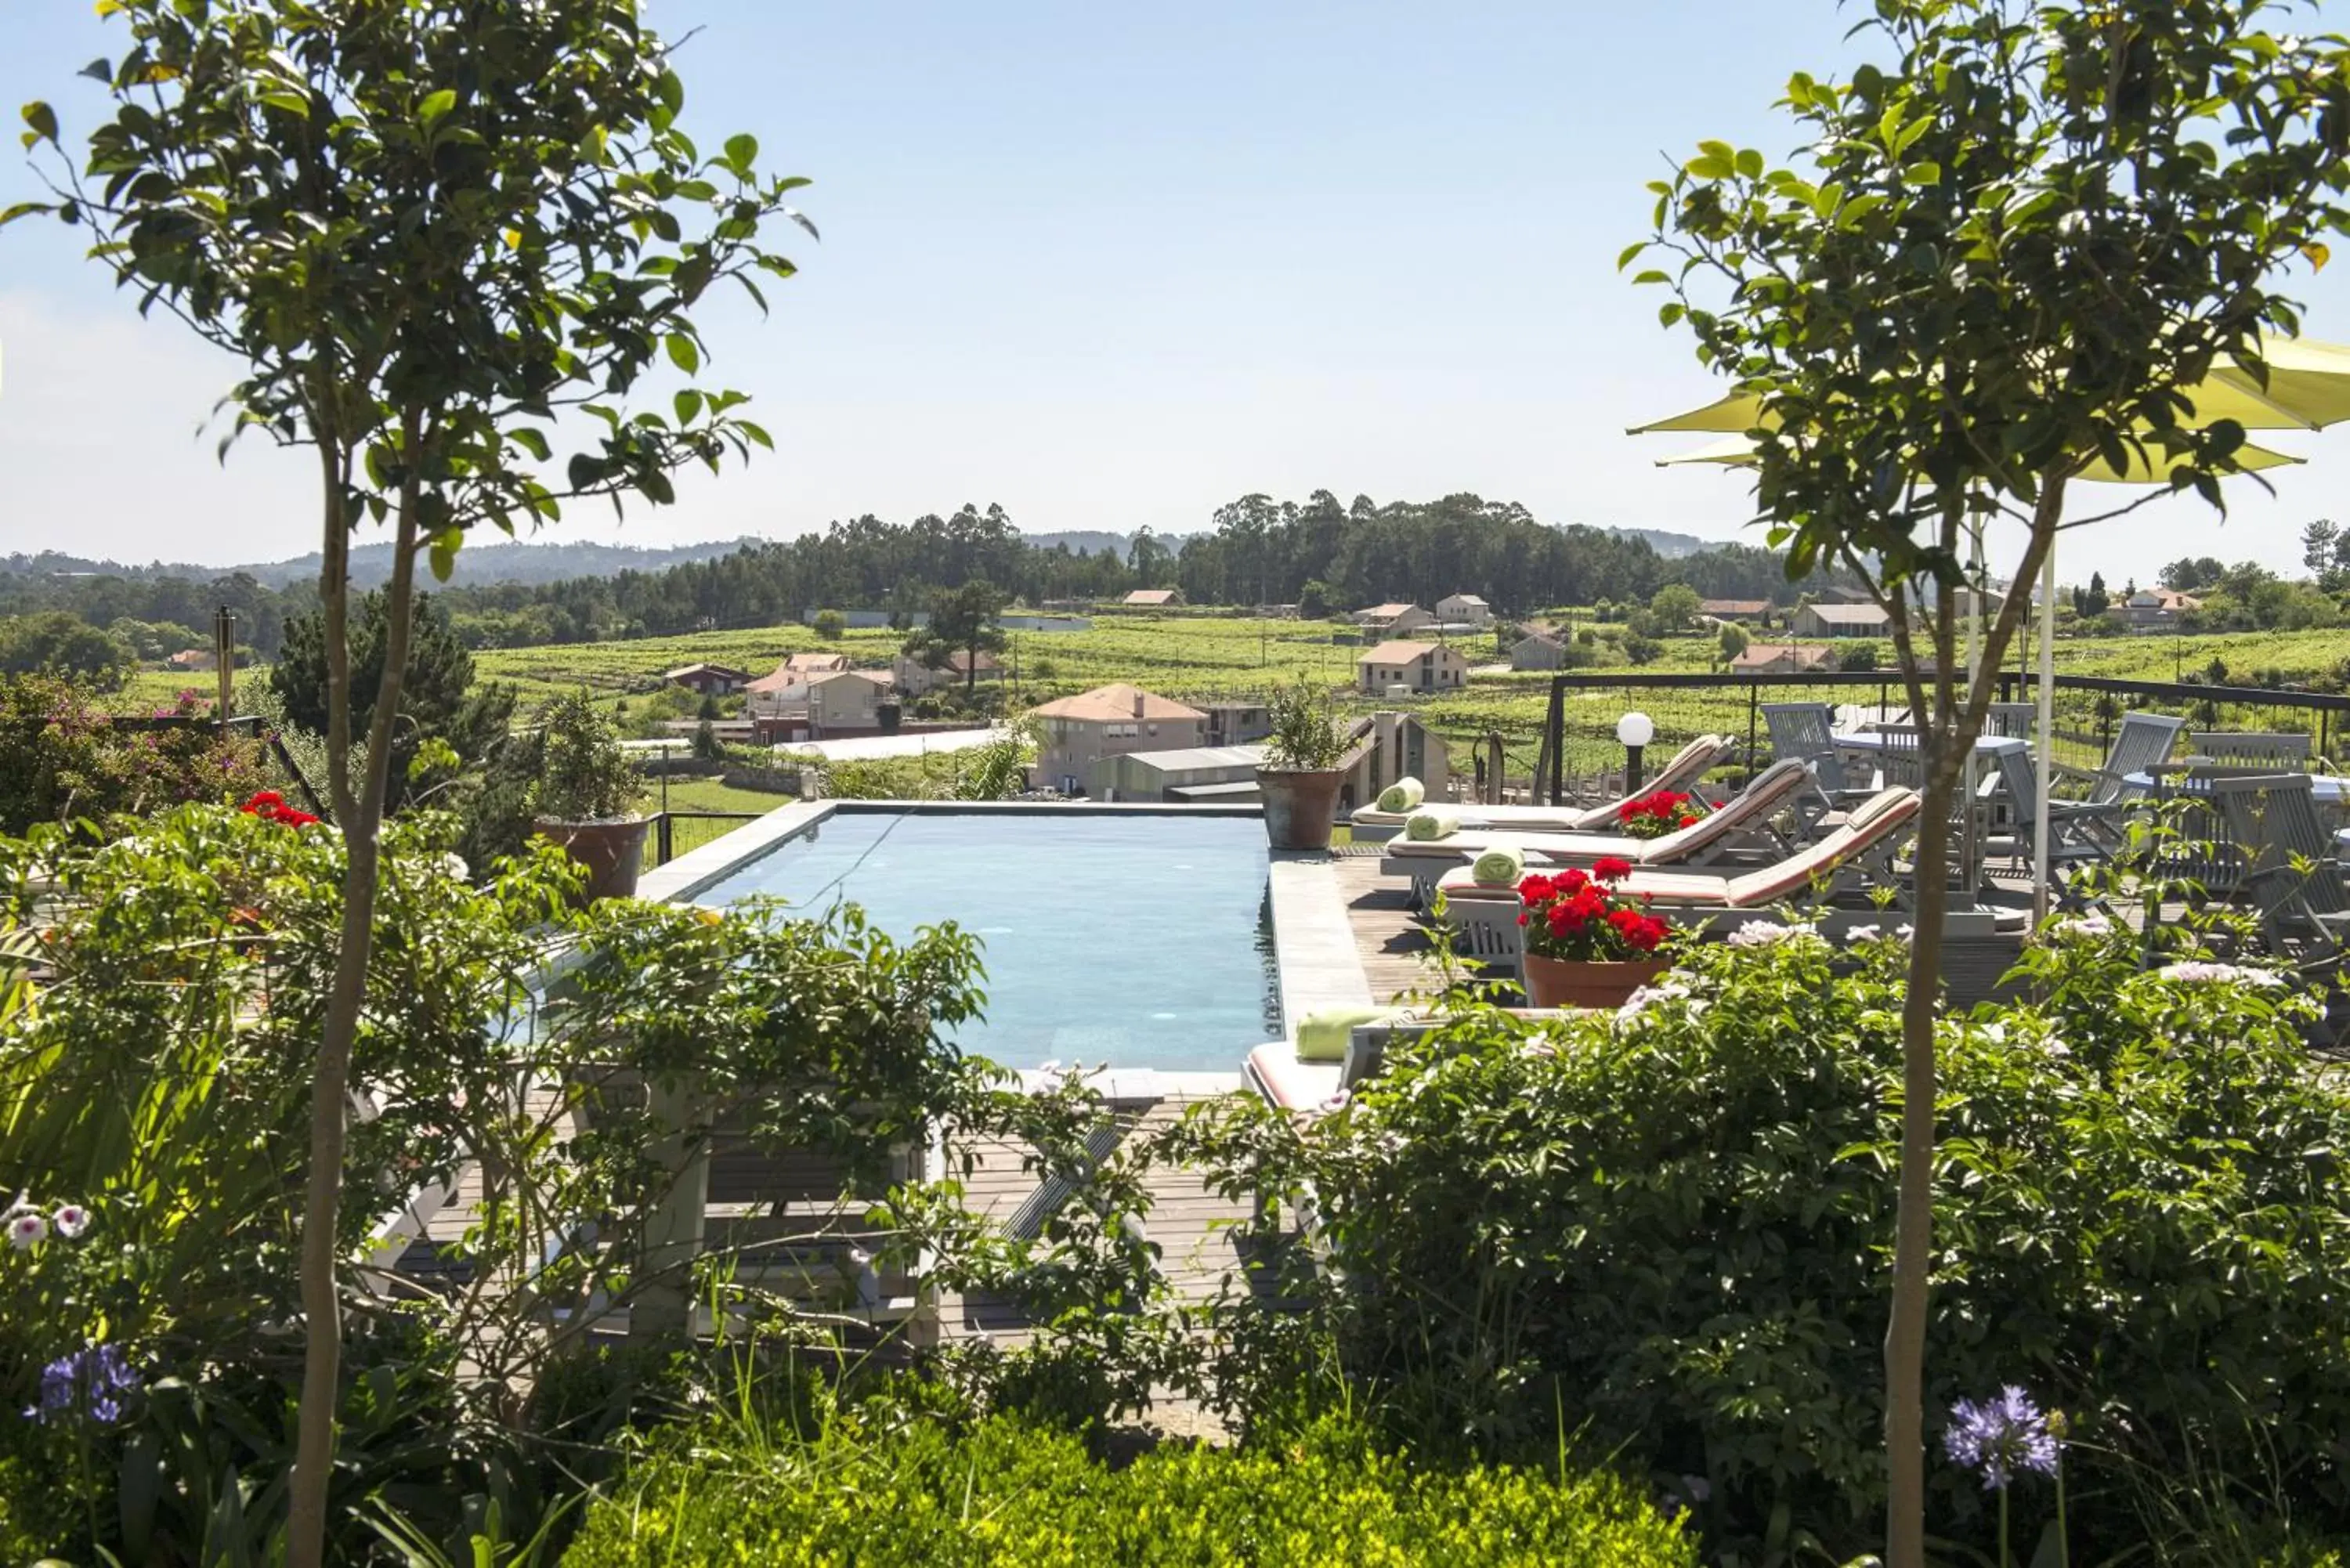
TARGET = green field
x,y
1202,657
1181,657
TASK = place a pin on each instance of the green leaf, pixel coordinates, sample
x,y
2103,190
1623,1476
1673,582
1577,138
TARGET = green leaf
x,y
1671,313
1707,166
1651,276
291,102
531,441
43,119
1717,150
435,107
688,404
1750,163
1923,174
444,552
683,354
754,433
98,70
10,215
743,150
1631,254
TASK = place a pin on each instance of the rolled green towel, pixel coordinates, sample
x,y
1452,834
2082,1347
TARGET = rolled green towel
x,y
1502,866
1404,794
1322,1036
1431,823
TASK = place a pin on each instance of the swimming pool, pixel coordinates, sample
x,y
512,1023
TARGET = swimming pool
x,y
1138,941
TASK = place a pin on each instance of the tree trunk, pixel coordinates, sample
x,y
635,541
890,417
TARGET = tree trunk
x,y
360,814
1905,1335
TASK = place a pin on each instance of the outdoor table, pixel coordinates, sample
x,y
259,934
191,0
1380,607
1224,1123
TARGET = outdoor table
x,y
2330,791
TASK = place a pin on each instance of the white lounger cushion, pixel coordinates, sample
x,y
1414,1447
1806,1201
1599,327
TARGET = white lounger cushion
x,y
1289,1084
1690,763
1770,793
1881,817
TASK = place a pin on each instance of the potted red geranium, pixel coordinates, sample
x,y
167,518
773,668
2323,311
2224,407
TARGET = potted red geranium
x,y
1589,945
1656,813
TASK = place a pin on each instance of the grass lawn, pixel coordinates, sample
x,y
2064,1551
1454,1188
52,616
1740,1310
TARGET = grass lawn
x,y
710,794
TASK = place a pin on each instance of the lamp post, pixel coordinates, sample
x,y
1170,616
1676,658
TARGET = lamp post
x,y
1636,730
224,661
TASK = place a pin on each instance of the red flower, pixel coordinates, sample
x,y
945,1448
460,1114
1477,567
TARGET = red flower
x,y
270,807
1580,915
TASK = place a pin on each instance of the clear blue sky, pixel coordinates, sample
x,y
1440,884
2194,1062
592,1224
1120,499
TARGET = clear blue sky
x,y
1108,265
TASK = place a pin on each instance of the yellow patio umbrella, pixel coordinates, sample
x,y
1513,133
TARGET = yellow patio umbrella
x,y
2308,389
1738,450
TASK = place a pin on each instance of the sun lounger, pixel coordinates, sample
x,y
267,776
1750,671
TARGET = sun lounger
x,y
1690,764
1747,819
1485,921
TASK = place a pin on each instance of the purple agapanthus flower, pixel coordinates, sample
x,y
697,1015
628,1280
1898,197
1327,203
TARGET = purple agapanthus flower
x,y
92,1381
2001,1438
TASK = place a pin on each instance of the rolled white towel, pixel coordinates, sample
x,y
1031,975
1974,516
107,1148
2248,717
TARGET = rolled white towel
x,y
1502,865
1431,823
1404,794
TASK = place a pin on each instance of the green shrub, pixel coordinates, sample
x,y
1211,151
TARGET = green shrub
x,y
585,776
62,760
1678,1225
1014,1494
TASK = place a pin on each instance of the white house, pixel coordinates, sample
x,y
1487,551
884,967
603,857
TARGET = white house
x,y
1463,609
915,677
1108,721
1538,651
1419,666
1388,620
1841,620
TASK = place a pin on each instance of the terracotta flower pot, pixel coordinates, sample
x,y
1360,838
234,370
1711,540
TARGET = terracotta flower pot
x,y
1586,982
611,853
1300,807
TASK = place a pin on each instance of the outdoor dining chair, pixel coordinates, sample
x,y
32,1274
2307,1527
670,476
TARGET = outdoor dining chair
x,y
2221,752
2291,880
2131,771
2011,721
1805,732
2072,840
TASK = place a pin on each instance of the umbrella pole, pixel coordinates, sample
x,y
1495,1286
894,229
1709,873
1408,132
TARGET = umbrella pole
x,y
2047,735
1975,608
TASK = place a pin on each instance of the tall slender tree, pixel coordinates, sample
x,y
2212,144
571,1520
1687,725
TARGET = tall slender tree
x,y
442,238
2022,232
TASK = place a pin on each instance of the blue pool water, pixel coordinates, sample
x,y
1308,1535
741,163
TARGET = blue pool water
x,y
1140,941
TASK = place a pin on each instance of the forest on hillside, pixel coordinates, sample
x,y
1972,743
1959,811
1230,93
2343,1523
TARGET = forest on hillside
x,y
1327,556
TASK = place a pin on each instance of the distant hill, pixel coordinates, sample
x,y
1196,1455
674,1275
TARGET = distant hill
x,y
478,565
1671,545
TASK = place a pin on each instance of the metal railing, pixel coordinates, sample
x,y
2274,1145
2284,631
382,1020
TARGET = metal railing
x,y
1577,737
676,833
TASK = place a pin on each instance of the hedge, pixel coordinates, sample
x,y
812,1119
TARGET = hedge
x,y
1009,1492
